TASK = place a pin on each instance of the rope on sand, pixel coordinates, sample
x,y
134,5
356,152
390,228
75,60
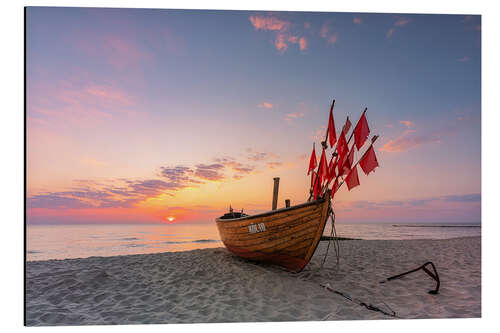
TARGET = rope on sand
x,y
371,307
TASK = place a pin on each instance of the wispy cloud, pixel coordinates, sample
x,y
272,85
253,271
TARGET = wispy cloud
x,y
238,168
118,51
209,171
389,33
414,202
400,21
289,117
282,28
115,193
76,101
463,59
126,192
280,43
406,142
274,165
268,23
266,105
327,33
260,156
407,123
303,43
411,138
357,20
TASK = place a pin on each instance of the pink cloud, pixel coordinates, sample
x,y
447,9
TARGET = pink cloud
x,y
407,141
407,123
282,28
327,33
292,116
463,59
280,43
260,156
118,51
357,20
307,25
266,105
109,94
303,43
82,103
389,33
268,23
402,21
274,165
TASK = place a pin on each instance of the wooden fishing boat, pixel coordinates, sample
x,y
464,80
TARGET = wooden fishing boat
x,y
286,237
289,236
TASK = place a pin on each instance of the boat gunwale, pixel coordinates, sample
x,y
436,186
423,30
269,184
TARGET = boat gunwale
x,y
272,212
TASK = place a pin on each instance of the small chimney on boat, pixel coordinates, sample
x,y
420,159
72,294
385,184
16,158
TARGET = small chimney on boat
x,y
275,192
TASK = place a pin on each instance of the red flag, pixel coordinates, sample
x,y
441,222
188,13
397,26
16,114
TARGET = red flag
x,y
335,187
331,128
342,147
369,161
361,131
352,178
347,126
323,167
349,160
312,162
340,166
345,164
317,185
313,177
331,170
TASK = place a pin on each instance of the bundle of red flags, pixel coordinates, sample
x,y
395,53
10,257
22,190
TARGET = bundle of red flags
x,y
343,165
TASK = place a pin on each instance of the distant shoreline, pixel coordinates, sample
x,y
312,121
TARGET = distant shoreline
x,y
322,239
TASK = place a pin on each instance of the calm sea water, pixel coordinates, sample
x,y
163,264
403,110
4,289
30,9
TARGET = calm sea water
x,y
81,241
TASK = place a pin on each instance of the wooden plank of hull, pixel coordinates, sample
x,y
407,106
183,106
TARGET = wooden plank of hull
x,y
232,225
273,232
275,223
277,238
290,238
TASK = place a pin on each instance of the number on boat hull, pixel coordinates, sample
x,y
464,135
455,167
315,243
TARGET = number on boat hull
x,y
254,228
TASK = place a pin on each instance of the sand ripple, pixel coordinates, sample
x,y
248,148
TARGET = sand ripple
x,y
211,285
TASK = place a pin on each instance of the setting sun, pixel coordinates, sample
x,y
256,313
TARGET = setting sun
x,y
170,218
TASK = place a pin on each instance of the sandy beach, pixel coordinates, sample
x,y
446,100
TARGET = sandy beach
x,y
211,285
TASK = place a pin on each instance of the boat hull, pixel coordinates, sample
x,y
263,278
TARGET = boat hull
x,y
286,237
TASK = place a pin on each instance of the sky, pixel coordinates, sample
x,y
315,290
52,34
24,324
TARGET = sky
x,y
170,116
